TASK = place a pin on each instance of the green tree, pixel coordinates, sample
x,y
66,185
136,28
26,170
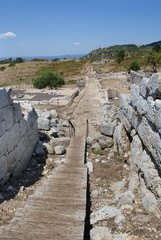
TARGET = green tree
x,y
19,60
153,59
120,56
134,66
48,79
157,48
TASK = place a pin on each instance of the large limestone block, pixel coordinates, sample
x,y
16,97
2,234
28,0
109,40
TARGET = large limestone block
x,y
22,127
136,152
149,202
134,96
151,177
13,138
5,99
142,106
107,129
2,128
135,77
105,213
3,166
9,117
154,86
1,114
144,87
151,113
43,124
26,157
59,150
100,233
124,102
17,111
133,117
3,144
156,149
12,160
121,142
145,133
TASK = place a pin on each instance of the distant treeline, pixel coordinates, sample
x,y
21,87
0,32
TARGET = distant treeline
x,y
10,60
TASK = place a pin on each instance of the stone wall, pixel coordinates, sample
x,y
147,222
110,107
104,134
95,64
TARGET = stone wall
x,y
18,136
140,121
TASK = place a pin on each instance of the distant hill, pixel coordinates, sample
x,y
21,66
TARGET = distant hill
x,y
113,50
154,44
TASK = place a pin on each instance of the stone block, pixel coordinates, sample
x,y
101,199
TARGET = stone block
x,y
144,90
107,129
136,152
133,117
124,102
135,77
3,166
4,97
12,160
13,138
156,149
151,177
154,86
142,106
22,127
2,128
3,144
26,157
9,117
1,114
134,96
17,111
151,110
43,124
146,133
59,150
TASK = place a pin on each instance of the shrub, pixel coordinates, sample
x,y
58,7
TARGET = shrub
x,y
2,68
153,59
12,64
120,56
134,66
48,79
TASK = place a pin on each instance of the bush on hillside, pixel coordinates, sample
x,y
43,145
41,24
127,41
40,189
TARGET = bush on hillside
x,y
134,66
12,64
2,68
153,59
120,56
48,79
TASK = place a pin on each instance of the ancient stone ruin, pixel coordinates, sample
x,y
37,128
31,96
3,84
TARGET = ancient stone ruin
x,y
18,136
138,138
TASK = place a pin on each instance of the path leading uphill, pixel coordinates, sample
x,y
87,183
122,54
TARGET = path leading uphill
x,y
57,210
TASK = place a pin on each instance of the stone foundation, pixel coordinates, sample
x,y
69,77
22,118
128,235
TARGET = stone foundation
x,y
140,122
18,136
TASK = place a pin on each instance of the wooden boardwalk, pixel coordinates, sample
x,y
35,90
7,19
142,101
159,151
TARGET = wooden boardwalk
x,y
57,209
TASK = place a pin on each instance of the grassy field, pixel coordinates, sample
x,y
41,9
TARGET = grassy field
x,y
24,73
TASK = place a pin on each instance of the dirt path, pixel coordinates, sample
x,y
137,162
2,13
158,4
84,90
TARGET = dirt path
x,y
88,107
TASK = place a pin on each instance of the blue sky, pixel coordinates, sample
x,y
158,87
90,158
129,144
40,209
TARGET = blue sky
x,y
58,27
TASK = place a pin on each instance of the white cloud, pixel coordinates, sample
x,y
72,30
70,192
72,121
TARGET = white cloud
x,y
7,35
76,43
22,44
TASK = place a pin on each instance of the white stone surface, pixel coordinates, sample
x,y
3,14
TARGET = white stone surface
x,y
100,233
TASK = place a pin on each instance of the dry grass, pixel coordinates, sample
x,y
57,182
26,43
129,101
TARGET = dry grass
x,y
24,73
